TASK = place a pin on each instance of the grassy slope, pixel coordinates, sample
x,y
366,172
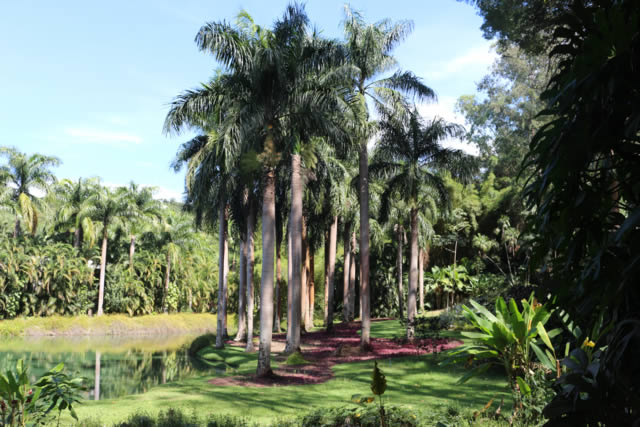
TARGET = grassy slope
x,y
111,324
415,381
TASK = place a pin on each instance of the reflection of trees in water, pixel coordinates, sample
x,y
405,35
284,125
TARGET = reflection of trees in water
x,y
109,375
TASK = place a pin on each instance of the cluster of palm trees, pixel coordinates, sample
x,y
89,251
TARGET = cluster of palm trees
x,y
83,213
286,126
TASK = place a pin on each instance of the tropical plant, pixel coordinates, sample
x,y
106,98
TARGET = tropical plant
x,y
370,48
509,338
409,155
23,403
110,208
74,198
26,174
448,284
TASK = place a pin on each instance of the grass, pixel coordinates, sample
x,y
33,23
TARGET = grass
x,y
417,382
110,324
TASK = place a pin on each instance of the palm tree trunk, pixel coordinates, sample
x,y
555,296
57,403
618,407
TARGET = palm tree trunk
x,y
251,223
295,258
312,289
16,229
278,309
225,300
266,287
326,278
352,278
413,274
290,304
400,236
222,275
76,237
364,246
304,278
333,240
421,278
165,303
346,243
103,266
132,250
242,285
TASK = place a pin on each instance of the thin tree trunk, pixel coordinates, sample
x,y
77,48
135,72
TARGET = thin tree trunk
x,y
103,266
222,276
295,258
333,240
413,275
266,287
421,278
346,243
278,309
312,290
226,274
290,304
304,278
400,237
364,246
165,302
76,237
251,222
132,249
190,300
352,278
242,286
326,279
16,229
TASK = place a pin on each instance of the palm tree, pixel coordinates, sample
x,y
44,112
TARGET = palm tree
x,y
256,98
370,49
111,209
24,174
144,209
74,199
175,235
409,155
208,185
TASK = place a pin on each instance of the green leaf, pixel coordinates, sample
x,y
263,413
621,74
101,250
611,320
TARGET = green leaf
x,y
524,387
543,358
481,369
545,338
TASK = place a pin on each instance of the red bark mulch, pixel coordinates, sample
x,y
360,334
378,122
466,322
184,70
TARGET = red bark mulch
x,y
323,350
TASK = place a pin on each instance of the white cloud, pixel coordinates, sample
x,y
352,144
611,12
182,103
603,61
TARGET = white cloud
x,y
101,136
167,194
159,193
446,109
476,57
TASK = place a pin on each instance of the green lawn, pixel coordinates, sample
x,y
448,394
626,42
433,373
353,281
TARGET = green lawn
x,y
417,382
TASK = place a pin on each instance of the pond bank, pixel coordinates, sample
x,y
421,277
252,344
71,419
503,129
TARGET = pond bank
x,y
111,324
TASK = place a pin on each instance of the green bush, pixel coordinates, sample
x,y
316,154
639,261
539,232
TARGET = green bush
x,y
360,416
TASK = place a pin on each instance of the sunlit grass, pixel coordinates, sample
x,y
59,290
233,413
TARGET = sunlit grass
x,y
417,382
110,324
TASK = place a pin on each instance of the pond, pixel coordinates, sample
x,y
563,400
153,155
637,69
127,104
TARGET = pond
x,y
112,366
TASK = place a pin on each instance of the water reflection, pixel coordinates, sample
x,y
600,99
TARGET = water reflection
x,y
112,366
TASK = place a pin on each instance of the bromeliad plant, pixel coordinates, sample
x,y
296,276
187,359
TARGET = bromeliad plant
x,y
509,337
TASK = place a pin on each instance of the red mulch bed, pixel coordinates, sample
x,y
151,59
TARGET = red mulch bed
x,y
323,350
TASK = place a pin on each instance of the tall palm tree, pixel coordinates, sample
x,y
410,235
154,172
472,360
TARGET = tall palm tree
x,y
175,236
24,174
256,97
74,198
144,209
370,48
409,155
110,208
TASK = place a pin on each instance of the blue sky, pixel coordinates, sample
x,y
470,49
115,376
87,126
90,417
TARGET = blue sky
x,y
90,81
